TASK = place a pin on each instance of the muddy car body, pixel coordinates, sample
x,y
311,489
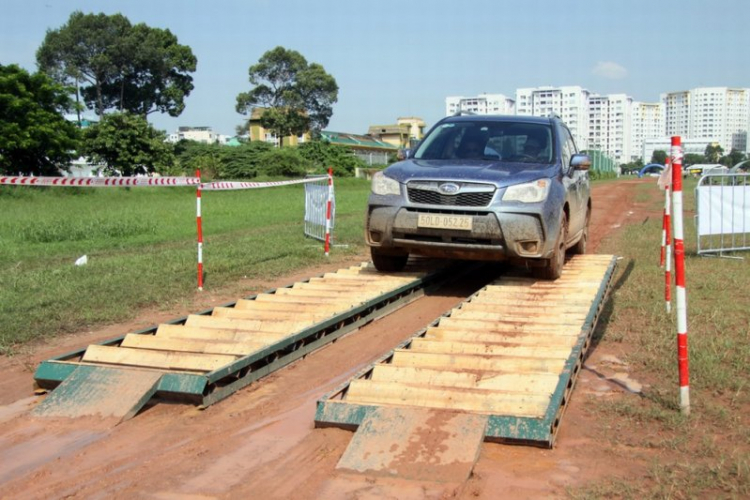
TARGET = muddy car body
x,y
484,188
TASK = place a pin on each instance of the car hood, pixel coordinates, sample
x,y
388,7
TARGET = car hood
x,y
499,173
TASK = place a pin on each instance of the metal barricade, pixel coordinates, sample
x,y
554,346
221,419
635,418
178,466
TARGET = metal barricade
x,y
722,204
316,201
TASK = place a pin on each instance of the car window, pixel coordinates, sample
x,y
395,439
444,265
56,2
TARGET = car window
x,y
569,148
485,140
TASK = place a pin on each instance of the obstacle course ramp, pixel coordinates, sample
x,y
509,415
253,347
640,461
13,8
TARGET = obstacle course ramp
x,y
205,357
512,352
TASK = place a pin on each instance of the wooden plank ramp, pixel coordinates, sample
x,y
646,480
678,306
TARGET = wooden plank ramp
x,y
510,352
207,356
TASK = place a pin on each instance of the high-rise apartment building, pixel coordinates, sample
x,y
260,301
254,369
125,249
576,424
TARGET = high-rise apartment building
x,y
709,112
646,122
623,128
569,103
610,125
483,104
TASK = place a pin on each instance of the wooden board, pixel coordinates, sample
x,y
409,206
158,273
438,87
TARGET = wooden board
x,y
287,325
153,342
508,364
216,334
369,392
416,444
464,347
100,391
155,359
533,383
511,326
458,334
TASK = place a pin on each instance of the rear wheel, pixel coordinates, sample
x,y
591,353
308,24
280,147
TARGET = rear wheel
x,y
388,262
580,247
553,269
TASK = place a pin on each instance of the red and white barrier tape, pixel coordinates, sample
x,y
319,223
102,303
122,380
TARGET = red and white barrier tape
x,y
172,182
222,186
101,181
679,257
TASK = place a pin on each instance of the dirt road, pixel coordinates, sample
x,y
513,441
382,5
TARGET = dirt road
x,y
260,442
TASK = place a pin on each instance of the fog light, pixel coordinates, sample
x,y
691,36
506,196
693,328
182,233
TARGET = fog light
x,y
376,236
529,246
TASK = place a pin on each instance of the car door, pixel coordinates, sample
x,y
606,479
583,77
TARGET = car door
x,y
577,188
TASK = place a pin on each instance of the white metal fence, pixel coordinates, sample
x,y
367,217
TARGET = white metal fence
x,y
316,203
722,204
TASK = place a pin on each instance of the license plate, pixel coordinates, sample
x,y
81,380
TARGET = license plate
x,y
439,221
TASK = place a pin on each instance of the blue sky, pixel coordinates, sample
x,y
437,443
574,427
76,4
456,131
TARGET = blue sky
x,y
402,58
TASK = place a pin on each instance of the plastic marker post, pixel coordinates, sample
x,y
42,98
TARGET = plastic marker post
x,y
200,231
327,244
668,248
679,257
665,179
665,182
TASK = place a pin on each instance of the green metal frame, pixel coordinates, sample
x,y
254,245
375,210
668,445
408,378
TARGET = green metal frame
x,y
207,389
333,410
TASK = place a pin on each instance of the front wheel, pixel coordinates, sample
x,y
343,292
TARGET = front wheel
x,y
554,267
388,262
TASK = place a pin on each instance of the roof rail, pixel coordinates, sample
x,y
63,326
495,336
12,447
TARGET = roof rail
x,y
552,114
462,112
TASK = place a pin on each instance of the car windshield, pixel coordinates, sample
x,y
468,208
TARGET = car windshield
x,y
480,140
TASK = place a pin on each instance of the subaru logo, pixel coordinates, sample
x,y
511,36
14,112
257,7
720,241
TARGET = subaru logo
x,y
449,188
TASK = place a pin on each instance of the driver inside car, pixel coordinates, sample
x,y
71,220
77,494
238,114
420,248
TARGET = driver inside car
x,y
475,147
533,147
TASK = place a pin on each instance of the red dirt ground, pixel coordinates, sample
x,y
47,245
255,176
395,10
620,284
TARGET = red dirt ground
x,y
261,442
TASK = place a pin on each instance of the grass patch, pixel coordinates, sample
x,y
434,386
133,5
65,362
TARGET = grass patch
x,y
707,454
141,248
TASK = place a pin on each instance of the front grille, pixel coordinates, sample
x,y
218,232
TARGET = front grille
x,y
454,200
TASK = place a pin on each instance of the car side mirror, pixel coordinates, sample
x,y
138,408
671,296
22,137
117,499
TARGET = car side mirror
x,y
403,154
580,162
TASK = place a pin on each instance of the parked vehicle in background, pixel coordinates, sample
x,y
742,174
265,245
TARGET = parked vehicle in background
x,y
484,188
699,170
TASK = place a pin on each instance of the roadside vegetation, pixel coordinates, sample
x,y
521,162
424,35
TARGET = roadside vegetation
x,y
705,455
142,252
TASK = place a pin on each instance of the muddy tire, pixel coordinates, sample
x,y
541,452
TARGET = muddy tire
x,y
580,247
388,262
554,267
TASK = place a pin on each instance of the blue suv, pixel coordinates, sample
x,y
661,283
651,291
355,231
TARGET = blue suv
x,y
484,188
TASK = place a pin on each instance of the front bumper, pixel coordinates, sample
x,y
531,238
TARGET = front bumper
x,y
494,235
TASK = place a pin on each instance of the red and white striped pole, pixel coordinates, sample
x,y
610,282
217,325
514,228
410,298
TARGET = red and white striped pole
x,y
679,256
668,248
664,227
200,231
327,244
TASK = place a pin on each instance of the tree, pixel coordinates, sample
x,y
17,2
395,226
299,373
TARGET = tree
x,y
127,68
299,97
713,153
127,144
193,155
87,50
659,157
155,75
322,155
733,158
692,159
244,161
34,136
286,162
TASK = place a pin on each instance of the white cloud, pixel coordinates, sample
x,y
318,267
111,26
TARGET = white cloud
x,y
610,70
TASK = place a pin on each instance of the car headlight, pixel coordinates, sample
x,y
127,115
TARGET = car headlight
x,y
384,185
531,192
